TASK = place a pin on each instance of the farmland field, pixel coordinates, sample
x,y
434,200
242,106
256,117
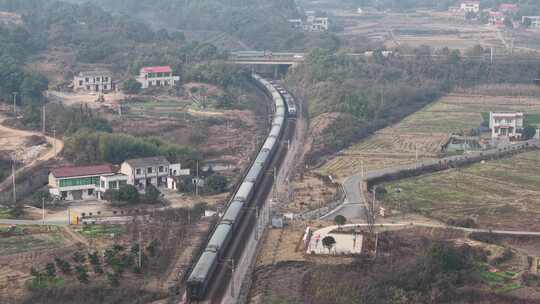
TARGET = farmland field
x,y
426,130
500,194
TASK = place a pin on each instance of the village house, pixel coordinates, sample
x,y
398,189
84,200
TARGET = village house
x,y
506,125
82,183
143,172
534,21
496,19
175,173
508,8
94,81
312,23
157,76
91,182
470,6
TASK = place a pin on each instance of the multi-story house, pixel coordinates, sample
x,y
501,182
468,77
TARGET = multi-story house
x,y
506,125
81,183
470,6
534,21
497,19
158,76
94,81
143,172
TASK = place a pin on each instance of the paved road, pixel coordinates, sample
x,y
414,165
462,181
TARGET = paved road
x,y
354,206
33,222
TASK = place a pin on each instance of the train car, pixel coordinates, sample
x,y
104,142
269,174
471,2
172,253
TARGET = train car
x,y
197,283
202,273
220,238
233,213
245,191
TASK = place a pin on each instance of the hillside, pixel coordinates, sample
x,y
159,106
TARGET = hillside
x,y
245,20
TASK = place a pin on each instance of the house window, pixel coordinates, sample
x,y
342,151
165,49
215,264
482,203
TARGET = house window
x,y
88,87
105,87
166,83
160,169
87,80
158,83
149,170
90,191
102,184
160,75
105,79
80,83
98,79
113,185
138,171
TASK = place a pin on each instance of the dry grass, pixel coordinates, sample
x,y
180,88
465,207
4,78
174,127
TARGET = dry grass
x,y
500,194
427,129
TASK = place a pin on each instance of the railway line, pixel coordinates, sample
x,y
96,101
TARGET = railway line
x,y
212,272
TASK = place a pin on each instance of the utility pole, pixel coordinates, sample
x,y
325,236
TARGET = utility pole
x,y
232,277
13,177
43,210
140,249
54,141
15,103
416,154
275,183
197,180
43,121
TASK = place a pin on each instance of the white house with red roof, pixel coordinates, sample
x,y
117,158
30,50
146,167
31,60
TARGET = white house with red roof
x,y
507,125
157,76
84,182
508,8
470,6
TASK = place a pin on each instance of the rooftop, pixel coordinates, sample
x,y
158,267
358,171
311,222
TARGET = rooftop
x,y
157,69
82,171
98,73
147,161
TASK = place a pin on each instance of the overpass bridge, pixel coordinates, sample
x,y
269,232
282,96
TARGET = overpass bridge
x,y
266,58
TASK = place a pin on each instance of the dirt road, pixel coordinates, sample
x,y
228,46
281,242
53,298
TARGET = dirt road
x,y
56,146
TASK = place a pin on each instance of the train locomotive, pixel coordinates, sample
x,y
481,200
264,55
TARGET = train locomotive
x,y
221,237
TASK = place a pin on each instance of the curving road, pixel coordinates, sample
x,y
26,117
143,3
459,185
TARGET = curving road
x,y
355,204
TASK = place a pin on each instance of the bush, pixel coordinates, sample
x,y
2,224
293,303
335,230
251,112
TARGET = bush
x,y
152,194
132,86
129,194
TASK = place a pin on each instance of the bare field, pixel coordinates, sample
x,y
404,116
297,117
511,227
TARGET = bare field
x,y
501,194
434,29
426,130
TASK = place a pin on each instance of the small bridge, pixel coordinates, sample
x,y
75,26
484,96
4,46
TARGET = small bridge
x,y
266,58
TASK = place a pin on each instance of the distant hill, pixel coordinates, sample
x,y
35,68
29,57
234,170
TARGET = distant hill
x,y
260,24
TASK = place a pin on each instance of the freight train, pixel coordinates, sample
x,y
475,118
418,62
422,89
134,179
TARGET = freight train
x,y
227,228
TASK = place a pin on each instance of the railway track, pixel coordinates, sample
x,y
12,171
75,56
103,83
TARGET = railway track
x,y
246,213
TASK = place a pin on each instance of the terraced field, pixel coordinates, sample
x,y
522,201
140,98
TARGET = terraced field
x,y
424,131
501,194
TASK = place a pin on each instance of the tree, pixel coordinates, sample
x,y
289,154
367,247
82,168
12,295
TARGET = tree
x,y
340,220
328,242
82,274
132,86
528,132
216,183
152,194
50,269
128,193
79,257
